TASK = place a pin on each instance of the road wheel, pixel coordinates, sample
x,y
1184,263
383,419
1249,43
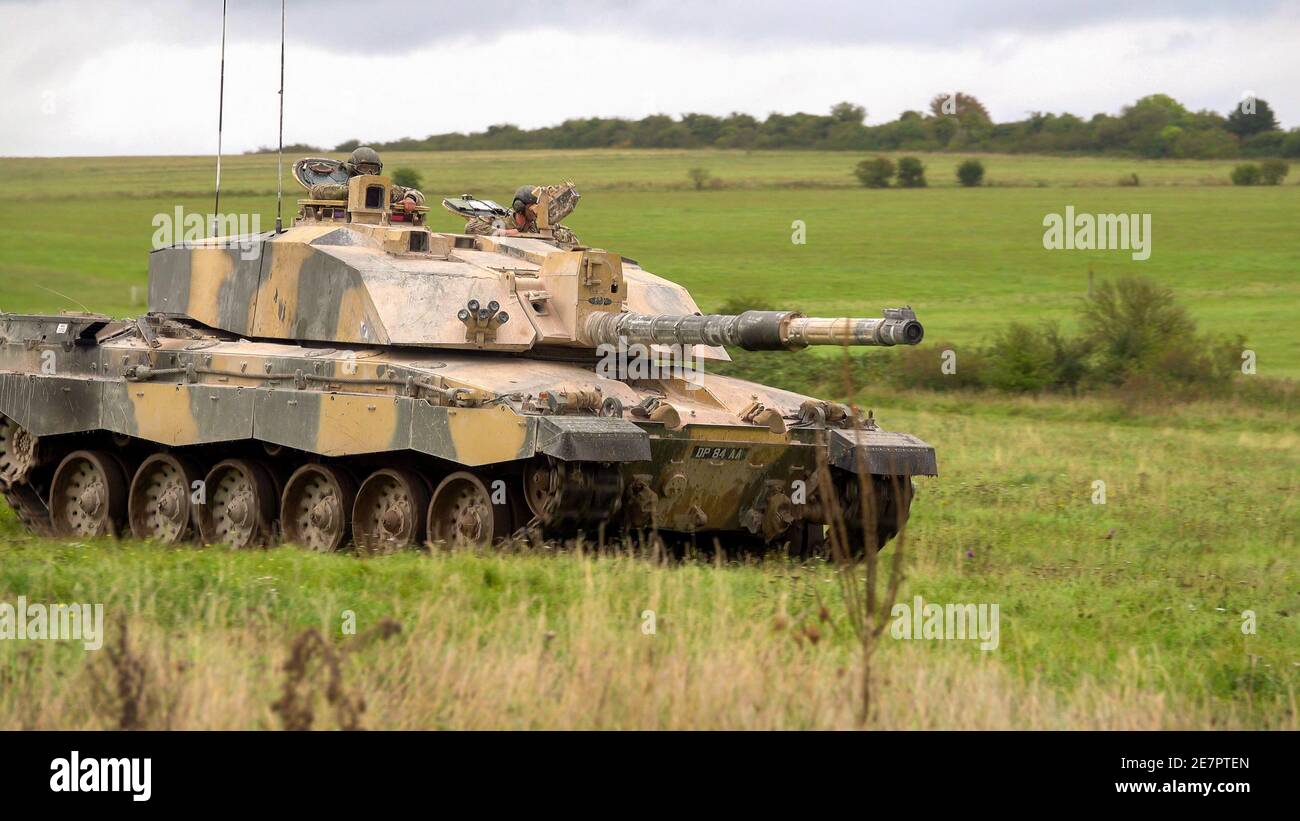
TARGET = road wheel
x,y
17,451
239,504
316,508
462,512
390,511
542,489
88,495
159,506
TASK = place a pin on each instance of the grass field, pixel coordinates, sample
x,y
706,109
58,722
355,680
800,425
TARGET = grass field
x,y
1126,614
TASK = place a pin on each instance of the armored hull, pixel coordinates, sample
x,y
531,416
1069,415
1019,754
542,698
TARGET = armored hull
x,y
357,379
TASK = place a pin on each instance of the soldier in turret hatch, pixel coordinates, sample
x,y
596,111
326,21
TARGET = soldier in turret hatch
x,y
523,219
364,160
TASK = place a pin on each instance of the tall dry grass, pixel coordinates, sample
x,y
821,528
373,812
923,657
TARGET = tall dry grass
x,y
583,664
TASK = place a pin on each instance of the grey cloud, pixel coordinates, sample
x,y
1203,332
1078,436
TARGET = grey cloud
x,y
393,27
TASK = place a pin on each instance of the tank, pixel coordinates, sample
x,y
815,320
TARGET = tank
x,y
357,379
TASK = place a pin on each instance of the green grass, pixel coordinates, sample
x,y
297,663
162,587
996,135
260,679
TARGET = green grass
x,y
1199,525
1139,600
494,173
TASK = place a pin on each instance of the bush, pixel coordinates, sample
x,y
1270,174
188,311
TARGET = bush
x,y
875,173
407,178
921,366
700,177
1204,362
1272,172
1069,358
745,302
1019,360
1203,368
1247,173
911,173
970,173
1028,359
1130,324
1291,143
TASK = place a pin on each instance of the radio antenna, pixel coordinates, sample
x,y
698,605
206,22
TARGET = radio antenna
x,y
279,162
221,107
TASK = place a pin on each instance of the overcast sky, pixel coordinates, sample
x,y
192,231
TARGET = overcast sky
x,y
94,77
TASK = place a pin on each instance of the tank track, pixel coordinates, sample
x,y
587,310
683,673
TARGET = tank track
x,y
891,500
29,508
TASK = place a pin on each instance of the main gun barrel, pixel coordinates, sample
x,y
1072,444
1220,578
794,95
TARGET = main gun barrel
x,y
754,330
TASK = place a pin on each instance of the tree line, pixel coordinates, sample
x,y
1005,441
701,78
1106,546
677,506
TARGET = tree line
x,y
1154,126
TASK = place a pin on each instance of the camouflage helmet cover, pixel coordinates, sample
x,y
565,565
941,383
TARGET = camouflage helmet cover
x,y
364,155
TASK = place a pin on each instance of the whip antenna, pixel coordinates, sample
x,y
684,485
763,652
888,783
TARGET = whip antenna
x,y
279,162
221,106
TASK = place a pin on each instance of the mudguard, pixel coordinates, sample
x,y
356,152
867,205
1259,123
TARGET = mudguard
x,y
886,453
592,439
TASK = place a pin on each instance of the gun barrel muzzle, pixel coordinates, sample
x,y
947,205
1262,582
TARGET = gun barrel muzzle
x,y
865,331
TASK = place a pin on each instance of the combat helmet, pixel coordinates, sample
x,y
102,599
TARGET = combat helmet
x,y
364,155
525,196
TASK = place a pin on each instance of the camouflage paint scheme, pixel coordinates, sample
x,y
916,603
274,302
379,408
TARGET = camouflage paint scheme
x,y
340,337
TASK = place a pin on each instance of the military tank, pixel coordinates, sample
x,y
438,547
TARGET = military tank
x,y
359,379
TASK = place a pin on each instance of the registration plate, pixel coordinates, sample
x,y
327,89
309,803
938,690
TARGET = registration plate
x,y
719,453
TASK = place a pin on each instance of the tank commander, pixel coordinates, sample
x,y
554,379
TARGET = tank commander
x,y
560,202
365,160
